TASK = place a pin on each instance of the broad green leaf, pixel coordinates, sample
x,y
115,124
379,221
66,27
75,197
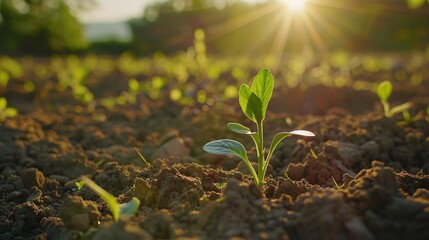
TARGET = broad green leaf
x,y
263,85
130,208
414,4
238,128
226,147
230,147
384,90
250,104
400,108
106,196
3,103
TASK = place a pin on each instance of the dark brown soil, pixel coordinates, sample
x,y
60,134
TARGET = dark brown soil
x,y
368,180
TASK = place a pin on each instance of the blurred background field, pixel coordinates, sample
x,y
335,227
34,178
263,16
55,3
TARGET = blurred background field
x,y
256,27
197,52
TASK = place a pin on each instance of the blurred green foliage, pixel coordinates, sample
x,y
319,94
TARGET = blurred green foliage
x,y
39,26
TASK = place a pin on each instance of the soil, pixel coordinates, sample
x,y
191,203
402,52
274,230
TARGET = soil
x,y
368,178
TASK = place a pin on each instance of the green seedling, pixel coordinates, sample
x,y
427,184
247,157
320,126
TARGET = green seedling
x,y
220,185
141,157
126,209
384,90
335,183
313,153
6,112
80,184
254,102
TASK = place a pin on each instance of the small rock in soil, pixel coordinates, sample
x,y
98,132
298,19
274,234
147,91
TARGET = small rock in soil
x,y
174,148
32,177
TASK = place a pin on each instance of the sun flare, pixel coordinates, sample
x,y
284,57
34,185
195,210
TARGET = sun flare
x,y
295,5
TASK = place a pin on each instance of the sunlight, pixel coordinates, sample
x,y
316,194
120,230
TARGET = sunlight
x,y
295,5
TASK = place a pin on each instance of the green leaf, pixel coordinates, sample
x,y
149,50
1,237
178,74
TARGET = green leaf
x,y
400,108
279,137
263,85
230,147
130,208
275,142
384,90
414,4
238,128
133,85
226,147
250,104
3,103
11,112
80,184
106,196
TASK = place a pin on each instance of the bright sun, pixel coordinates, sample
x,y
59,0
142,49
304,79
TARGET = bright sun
x,y
295,5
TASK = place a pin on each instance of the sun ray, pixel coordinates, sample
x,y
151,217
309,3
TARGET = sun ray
x,y
223,28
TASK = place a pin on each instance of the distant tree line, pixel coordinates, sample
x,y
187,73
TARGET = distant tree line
x,y
237,27
231,26
40,26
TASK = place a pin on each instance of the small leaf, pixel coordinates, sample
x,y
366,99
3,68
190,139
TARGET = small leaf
x,y
133,85
3,103
106,196
226,147
263,85
276,140
130,208
400,108
303,133
11,112
238,128
250,104
279,137
80,184
142,157
384,90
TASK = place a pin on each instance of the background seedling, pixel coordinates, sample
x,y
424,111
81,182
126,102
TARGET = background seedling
x,y
142,157
384,90
6,112
254,102
130,208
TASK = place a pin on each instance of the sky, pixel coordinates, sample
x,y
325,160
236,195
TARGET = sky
x,y
115,11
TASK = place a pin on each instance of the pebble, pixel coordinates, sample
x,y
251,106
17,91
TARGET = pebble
x,y
32,177
174,148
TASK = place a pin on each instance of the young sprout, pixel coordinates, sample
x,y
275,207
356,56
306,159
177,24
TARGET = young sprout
x,y
130,208
254,102
6,112
384,90
141,157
